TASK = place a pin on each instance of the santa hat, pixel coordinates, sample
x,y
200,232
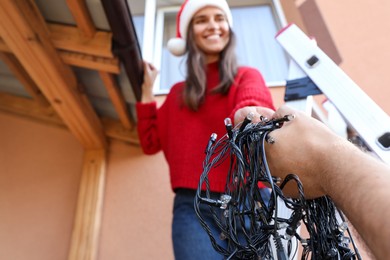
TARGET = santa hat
x,y
177,46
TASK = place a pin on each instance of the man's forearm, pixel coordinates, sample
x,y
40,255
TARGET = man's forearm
x,y
360,187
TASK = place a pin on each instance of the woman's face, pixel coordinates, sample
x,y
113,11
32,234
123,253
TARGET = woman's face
x,y
211,31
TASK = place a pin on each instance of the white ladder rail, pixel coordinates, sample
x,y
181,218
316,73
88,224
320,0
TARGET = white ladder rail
x,y
356,107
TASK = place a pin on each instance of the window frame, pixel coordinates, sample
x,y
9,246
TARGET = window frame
x,y
158,44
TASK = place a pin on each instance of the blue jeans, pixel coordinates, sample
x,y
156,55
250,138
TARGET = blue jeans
x,y
190,240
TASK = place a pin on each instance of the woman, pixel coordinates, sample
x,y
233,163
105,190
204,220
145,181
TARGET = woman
x,y
215,88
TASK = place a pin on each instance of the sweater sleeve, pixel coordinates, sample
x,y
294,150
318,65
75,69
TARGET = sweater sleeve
x,y
147,127
251,91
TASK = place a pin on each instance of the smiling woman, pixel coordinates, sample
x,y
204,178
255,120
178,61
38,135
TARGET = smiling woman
x,y
211,32
214,89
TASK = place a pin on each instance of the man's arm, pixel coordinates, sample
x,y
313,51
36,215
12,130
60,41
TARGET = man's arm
x,y
327,164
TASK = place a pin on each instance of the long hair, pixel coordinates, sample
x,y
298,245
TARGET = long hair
x,y
195,83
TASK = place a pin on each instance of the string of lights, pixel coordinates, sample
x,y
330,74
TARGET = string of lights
x,y
247,219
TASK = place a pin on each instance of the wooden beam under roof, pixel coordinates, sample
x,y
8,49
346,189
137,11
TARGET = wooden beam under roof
x,y
117,98
29,85
115,130
83,19
69,38
30,109
82,60
110,65
3,46
24,31
65,37
81,13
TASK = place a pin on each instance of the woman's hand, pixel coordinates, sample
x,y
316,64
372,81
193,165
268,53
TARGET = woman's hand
x,y
150,74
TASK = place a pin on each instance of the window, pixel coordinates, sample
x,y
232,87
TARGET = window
x,y
255,26
256,45
138,21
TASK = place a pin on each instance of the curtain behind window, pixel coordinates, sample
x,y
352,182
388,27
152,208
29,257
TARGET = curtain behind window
x,y
255,28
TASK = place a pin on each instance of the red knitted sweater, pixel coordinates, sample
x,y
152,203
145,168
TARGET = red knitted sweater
x,y
183,134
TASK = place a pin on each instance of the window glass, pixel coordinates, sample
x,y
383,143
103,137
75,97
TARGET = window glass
x,y
256,44
173,69
138,21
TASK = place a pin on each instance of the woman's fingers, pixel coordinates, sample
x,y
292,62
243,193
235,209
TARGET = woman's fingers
x,y
257,112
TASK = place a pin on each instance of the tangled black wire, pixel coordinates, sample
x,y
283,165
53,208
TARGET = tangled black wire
x,y
248,221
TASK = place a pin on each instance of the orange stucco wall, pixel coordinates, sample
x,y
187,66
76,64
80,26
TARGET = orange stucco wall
x,y
40,165
360,32
40,169
137,206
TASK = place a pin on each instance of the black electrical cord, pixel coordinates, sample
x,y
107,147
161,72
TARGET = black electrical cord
x,y
249,220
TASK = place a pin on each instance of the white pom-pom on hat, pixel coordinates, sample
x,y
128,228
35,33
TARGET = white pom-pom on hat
x,y
177,46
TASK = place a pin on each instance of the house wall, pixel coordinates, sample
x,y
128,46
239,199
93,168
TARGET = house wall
x,y
137,207
359,30
40,171
40,168
40,165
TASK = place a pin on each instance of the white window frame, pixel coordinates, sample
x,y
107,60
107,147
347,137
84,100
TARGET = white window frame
x,y
149,27
154,31
159,34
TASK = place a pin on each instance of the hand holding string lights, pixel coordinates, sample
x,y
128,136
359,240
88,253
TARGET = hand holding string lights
x,y
246,222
